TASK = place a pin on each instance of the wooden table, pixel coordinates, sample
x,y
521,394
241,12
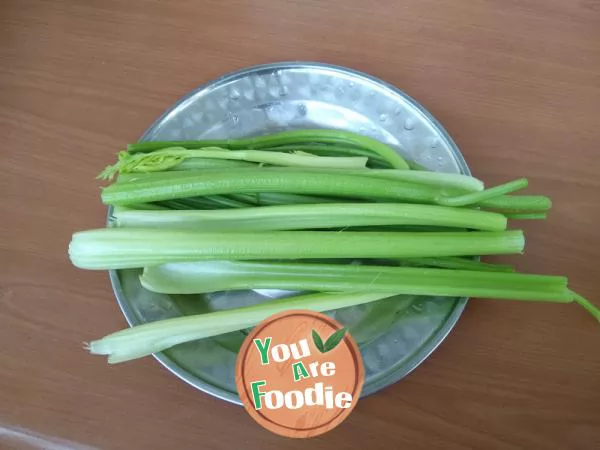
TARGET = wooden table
x,y
516,83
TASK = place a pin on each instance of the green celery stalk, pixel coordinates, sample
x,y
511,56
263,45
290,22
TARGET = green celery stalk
x,y
478,197
456,181
120,248
517,204
203,277
461,183
234,181
448,180
292,217
286,138
168,158
261,198
154,337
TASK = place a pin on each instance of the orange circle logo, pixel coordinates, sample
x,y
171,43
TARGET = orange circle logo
x,y
299,374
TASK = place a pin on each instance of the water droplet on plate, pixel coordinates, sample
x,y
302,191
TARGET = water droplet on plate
x,y
302,110
397,111
234,94
351,84
435,142
283,91
409,123
234,118
383,117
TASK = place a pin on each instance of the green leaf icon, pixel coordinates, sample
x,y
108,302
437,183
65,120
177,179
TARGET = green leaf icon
x,y
318,341
334,340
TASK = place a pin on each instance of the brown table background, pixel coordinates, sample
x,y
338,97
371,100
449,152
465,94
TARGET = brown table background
x,y
515,82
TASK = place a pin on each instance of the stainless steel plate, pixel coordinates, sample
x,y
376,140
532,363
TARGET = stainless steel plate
x,y
283,96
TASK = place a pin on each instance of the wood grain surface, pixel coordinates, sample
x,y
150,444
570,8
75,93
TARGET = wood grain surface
x,y
515,82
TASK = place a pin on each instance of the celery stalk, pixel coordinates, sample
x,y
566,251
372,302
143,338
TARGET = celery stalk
x,y
447,180
345,138
292,217
203,277
168,158
234,181
517,203
461,183
119,248
154,337
478,197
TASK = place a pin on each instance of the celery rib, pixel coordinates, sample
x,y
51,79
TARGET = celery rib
x,y
236,181
202,277
517,204
454,181
149,338
286,138
143,340
458,182
487,194
168,158
291,217
119,248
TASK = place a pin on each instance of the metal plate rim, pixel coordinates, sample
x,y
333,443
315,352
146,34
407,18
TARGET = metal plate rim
x,y
414,360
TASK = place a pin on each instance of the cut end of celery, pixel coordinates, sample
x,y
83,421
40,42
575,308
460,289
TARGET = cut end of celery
x,y
96,347
519,241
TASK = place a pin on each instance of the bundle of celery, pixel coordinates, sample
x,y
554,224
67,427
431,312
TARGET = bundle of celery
x,y
290,211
